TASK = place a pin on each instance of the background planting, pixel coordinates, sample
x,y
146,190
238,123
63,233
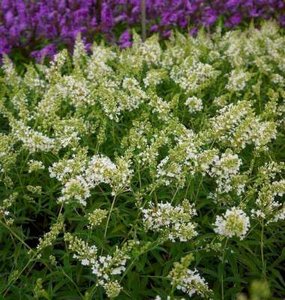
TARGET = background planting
x,y
40,28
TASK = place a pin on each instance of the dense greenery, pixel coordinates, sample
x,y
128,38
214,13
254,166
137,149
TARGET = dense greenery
x,y
146,173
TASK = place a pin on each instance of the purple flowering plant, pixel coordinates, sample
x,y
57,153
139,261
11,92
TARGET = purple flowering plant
x,y
40,28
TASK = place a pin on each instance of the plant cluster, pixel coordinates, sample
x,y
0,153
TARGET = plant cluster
x,y
146,173
40,28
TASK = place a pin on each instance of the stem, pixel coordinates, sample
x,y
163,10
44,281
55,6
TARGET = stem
x,y
109,217
143,19
223,265
174,195
262,249
16,235
188,186
198,189
139,174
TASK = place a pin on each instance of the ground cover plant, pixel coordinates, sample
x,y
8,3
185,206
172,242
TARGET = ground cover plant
x,y
40,28
154,172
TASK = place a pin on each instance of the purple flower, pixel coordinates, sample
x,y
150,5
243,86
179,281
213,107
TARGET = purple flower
x,y
234,20
47,52
166,33
9,17
125,39
232,3
193,31
154,28
282,20
254,13
209,16
106,17
29,24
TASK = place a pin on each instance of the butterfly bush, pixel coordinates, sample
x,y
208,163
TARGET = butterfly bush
x,y
234,222
190,282
138,173
40,28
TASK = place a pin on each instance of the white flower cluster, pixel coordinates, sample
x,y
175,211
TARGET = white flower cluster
x,y
83,251
160,107
53,72
76,90
173,222
149,51
136,95
11,76
80,176
101,267
193,76
233,223
237,126
99,170
182,158
167,170
96,217
187,280
50,236
65,169
7,152
35,165
75,189
33,140
225,170
267,205
154,77
117,96
97,68
5,206
194,104
192,283
237,80
106,268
